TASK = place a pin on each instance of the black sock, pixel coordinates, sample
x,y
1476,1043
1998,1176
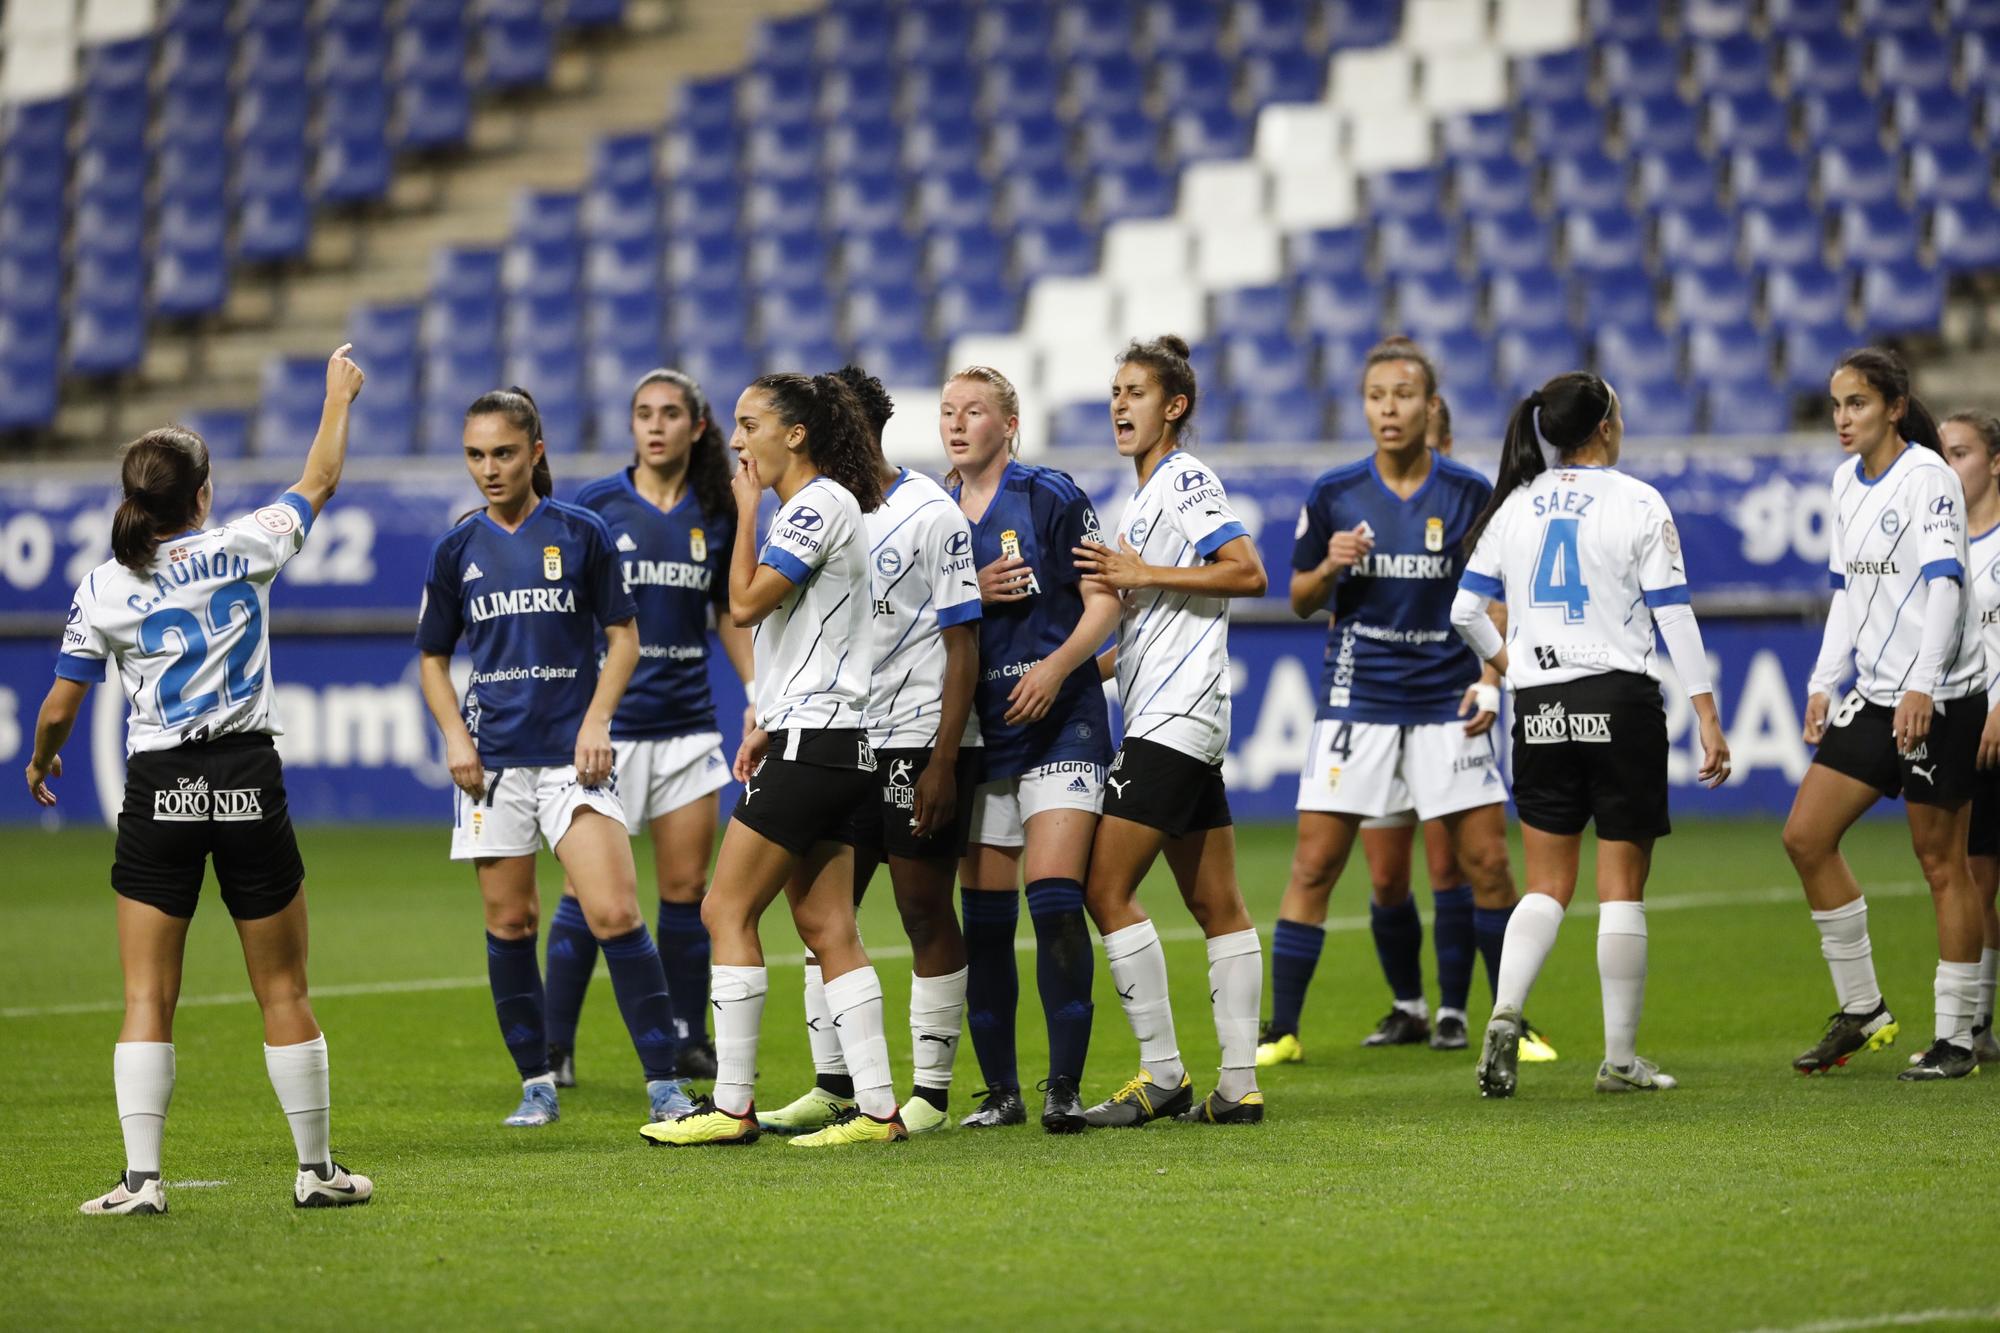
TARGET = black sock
x,y
324,1170
839,1085
939,1098
134,1179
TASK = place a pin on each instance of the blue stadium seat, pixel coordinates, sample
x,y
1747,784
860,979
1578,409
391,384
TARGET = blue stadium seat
x,y
1293,416
1133,192
1493,185
1573,124
1082,425
1553,76
516,50
1804,18
1586,178
291,390
273,226
431,114
627,324
1341,305
1622,295
1130,140
1989,115
590,13
1095,28
855,94
264,168
783,205
1747,120
1680,177
1417,245
1881,233
1252,311
190,264
1904,296
1979,58
878,309
1697,236
115,277
352,167
1737,63
1005,29
452,378
1342,356
906,360
1029,142
1730,354
1478,412
1062,249
275,55
1932,115
1216,134
1884,16
1624,18
1462,356
383,421
31,332
1715,295
429,49
197,60
1782,235
1485,134
953,199
1181,28
27,390
1950,173
712,211
702,268
1837,118
112,117
1643,66
1806,293
855,35
1636,352
1268,364
778,98
1269,27
872,145
1526,361
1914,59
1352,24
934,91
105,337
704,104
1807,353
554,266
114,223
1513,242
789,43
934,28
886,254
1715,18
984,306
349,52
951,142
1968,14
1018,85
1430,303
789,351
385,332
192,117
1966,236
720,322
788,259
865,201
1659,123
971,252
1824,61
277,14
1108,85
1282,76
1046,195
1527,302
274,113
1745,409
1660,409
1189,83
555,376
1858,174
1327,252
1763,177
1415,192
225,430
1601,239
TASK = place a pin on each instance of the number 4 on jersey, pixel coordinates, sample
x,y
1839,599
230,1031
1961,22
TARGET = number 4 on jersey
x,y
1559,572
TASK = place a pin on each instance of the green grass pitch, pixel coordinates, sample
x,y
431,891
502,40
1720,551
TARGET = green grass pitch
x,y
1381,1191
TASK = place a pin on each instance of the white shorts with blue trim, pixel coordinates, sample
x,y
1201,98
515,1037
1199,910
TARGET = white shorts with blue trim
x,y
524,808
1379,769
659,777
1001,810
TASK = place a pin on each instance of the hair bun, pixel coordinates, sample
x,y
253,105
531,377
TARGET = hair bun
x,y
517,389
1176,344
1399,340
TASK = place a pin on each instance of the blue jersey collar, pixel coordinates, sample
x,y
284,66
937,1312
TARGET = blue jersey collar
x,y
1430,477
541,503
1861,466
632,488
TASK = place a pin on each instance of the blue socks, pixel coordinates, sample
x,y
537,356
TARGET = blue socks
x,y
1489,927
517,1001
992,987
684,955
572,958
1063,965
641,986
1453,939
1295,949
1399,944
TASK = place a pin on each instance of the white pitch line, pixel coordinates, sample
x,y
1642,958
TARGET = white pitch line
x,y
1905,1319
1683,902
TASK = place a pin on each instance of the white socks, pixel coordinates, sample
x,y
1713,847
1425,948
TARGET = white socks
x,y
299,1076
1957,990
143,1074
1621,972
1531,933
1236,993
1139,971
937,1009
737,996
1989,971
1418,1007
825,1042
1843,942
856,1001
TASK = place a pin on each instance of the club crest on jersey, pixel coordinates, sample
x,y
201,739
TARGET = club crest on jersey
x,y
1433,534
1891,521
889,563
697,544
552,562
1010,545
277,518
1139,531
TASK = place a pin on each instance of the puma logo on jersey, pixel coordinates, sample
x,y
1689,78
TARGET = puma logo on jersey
x,y
472,571
625,542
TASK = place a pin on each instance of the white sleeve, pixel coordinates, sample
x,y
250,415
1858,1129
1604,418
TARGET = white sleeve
x,y
1469,618
1836,650
803,534
276,531
1683,635
955,585
1201,508
84,647
1662,572
1942,600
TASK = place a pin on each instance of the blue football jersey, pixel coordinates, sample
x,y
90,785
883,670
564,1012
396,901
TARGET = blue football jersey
x,y
528,604
1038,514
1391,653
676,566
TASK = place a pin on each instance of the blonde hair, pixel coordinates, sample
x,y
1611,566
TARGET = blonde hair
x,y
1010,405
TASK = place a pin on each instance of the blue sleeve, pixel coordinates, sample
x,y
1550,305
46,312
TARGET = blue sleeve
x,y
1944,569
1492,589
1066,519
1838,581
793,568
604,575
440,619
1315,530
300,506
70,666
1659,597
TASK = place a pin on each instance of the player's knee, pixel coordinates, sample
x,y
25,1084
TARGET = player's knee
x,y
1389,891
513,922
681,888
1939,865
611,920
1487,868
1806,848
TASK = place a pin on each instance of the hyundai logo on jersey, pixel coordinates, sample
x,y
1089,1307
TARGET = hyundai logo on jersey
x,y
960,543
1942,505
804,519
1191,481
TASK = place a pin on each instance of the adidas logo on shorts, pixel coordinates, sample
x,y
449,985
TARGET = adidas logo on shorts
x,y
1078,784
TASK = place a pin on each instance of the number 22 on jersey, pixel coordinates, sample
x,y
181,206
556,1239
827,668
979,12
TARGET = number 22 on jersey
x,y
1559,572
237,685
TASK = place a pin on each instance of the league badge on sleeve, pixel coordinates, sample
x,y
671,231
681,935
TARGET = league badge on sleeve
x,y
1433,534
697,545
552,562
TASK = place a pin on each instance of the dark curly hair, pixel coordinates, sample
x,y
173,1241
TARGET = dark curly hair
x,y
837,437
876,404
708,455
1166,357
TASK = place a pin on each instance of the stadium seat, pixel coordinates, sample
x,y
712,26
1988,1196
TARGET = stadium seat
x,y
1016,85
1902,296
1656,409
1462,355
1623,295
1714,18
1360,24
1712,295
1782,235
1430,303
1266,365
1416,192
885,255
1568,126
1895,15
606,265
1881,233
953,199
1699,236
1932,115
1292,416
273,226
1587,179
1643,66
1659,123
1115,85
431,114
949,142
1601,239
937,91
452,379
1979,58
1327,252
1283,76
866,201
855,94
1142,191
1766,177
1483,134
1551,76
383,421
387,331
1269,27
105,338
970,253
1823,61
1806,293
1858,174
1915,58
1966,236
1745,409
1680,177
1747,120
1180,28
907,360
1636,353
1492,185
935,28
1032,142
1518,242
1094,28
291,391
1207,136
1807,353
1417,245
796,313
1253,311
1061,250
1950,173
1527,302
883,310
1047,195
226,431
964,307
1736,63
1730,354
352,167
1526,361
274,55
1334,304
854,35
1803,18
1836,118
873,145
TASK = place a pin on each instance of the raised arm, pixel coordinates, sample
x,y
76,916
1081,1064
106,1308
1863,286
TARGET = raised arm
x,y
328,455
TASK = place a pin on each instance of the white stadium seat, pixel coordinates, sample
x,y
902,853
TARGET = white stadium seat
x,y
1162,307
1443,25
1365,81
1299,134
1213,192
1066,307
1145,250
1468,80
1324,198
1390,141
1538,25
1239,256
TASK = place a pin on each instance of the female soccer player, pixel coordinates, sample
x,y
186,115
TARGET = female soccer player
x,y
808,763
924,654
1048,738
528,581
1902,623
1972,447
1405,716
673,525
1576,550
183,611
1181,555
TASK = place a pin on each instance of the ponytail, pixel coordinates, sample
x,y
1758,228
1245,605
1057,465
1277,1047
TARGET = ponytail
x,y
708,458
163,472
517,405
837,435
1888,376
1561,416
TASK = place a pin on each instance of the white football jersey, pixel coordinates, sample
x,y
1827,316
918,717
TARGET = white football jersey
x,y
1889,535
1983,583
812,651
1581,556
1173,647
191,636
923,582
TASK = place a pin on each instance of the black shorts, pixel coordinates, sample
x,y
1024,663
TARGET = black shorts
x,y
1860,741
1984,839
1164,788
1593,749
881,825
807,787
224,798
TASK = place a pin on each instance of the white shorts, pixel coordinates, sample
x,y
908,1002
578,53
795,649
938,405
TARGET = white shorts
x,y
659,777
1001,810
1404,818
524,807
1378,769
